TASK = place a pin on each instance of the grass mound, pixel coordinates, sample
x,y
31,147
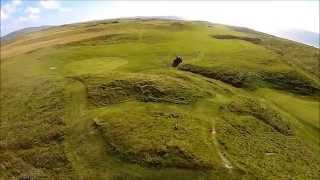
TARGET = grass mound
x,y
158,135
235,78
248,106
249,39
292,81
116,88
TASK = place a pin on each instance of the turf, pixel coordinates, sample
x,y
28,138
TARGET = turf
x,y
100,100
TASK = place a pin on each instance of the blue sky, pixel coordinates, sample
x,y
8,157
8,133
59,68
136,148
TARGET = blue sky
x,y
266,16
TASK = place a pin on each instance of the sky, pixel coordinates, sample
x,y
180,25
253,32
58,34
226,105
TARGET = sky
x,y
265,16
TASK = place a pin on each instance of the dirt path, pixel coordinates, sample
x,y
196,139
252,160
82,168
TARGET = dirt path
x,y
225,161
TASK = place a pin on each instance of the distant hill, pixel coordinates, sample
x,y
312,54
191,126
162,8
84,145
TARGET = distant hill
x,y
306,37
298,35
22,32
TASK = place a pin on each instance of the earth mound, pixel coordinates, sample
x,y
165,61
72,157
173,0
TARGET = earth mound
x,y
105,90
158,135
292,81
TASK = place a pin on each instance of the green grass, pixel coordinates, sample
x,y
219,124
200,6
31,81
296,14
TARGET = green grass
x,y
303,112
100,100
95,65
255,148
303,108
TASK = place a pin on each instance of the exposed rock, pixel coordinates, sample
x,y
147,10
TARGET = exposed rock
x,y
177,61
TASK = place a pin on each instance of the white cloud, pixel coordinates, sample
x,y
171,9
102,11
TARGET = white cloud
x,y
33,10
32,13
53,5
50,4
9,8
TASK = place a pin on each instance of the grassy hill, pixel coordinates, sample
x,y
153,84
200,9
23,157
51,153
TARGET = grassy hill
x,y
18,34
100,100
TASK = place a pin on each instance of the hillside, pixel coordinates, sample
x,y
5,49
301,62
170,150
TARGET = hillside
x,y
101,100
23,32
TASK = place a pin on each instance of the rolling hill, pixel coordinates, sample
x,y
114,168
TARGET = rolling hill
x,y
101,100
18,34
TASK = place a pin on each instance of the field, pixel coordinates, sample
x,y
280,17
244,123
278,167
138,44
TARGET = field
x,y
100,100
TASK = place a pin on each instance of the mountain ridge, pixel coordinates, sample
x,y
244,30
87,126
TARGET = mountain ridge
x,y
297,35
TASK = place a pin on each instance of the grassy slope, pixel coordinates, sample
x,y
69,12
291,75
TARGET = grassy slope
x,y
73,127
